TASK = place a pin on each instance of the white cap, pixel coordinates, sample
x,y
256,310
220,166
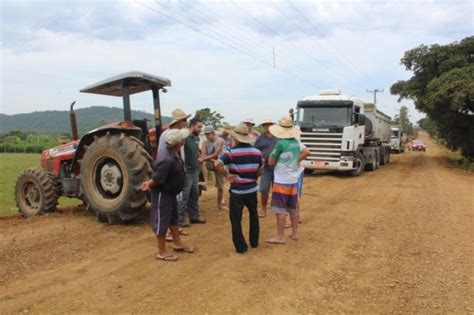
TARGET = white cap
x,y
249,121
174,136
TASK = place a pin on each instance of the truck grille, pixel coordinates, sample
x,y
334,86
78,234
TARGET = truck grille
x,y
323,146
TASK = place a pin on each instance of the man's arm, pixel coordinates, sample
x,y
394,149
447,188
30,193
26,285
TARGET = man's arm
x,y
304,154
216,153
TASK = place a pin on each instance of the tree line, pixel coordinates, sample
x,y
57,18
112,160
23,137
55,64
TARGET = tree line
x,y
442,86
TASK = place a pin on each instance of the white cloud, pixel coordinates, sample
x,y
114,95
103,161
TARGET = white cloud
x,y
46,58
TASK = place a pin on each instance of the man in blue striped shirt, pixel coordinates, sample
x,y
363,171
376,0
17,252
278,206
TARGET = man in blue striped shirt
x,y
245,166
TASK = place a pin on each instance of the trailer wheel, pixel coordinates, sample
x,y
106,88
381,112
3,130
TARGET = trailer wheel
x,y
360,165
112,170
36,192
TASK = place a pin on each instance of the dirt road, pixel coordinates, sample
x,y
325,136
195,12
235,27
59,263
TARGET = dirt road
x,y
398,240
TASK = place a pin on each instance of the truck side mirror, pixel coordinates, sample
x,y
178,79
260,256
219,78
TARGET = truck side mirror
x,y
361,119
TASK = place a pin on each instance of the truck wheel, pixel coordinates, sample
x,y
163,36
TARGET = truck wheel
x,y
308,171
360,165
36,192
112,170
374,165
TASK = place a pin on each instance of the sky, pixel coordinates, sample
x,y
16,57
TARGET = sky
x,y
244,59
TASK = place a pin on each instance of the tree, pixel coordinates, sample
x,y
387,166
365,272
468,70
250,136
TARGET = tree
x,y
402,120
209,117
442,86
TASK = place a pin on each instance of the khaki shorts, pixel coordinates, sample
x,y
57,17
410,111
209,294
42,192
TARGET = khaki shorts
x,y
219,179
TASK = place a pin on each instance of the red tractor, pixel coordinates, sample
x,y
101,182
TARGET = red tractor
x,y
105,167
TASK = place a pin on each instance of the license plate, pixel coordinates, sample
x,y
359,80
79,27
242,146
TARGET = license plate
x,y
319,163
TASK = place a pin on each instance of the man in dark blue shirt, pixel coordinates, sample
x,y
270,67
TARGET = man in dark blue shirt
x,y
245,166
265,143
167,181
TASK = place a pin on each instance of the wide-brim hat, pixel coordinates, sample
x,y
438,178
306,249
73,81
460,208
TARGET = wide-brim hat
x,y
225,128
241,133
267,122
285,129
178,115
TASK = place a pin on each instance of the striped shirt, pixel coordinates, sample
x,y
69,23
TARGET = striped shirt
x,y
244,161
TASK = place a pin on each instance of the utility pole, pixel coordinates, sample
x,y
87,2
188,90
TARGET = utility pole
x,y
375,91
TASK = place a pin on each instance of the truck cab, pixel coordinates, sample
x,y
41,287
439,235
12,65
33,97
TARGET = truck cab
x,y
338,134
397,140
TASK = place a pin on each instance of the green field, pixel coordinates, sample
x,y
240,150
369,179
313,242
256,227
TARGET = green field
x,y
11,164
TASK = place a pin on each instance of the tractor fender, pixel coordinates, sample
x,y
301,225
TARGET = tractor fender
x,y
88,138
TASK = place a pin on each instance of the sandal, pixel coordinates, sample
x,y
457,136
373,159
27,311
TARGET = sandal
x,y
188,250
167,257
274,241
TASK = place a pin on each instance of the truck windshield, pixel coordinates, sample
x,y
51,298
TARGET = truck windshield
x,y
325,116
394,133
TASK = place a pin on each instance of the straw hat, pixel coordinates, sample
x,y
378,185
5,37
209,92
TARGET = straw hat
x,y
249,121
178,115
267,121
285,129
174,136
225,128
241,133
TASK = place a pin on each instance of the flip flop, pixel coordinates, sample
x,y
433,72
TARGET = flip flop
x,y
183,232
293,238
167,258
188,250
274,241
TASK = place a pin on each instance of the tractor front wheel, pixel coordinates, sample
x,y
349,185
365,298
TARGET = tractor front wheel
x,y
36,192
112,170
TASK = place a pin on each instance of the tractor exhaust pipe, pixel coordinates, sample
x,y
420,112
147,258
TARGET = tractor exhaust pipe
x,y
72,118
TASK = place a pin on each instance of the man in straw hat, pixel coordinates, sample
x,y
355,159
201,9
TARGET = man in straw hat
x,y
252,132
265,143
167,181
178,121
285,157
225,129
245,164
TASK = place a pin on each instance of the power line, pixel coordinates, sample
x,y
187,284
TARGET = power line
x,y
317,62
322,35
297,71
215,38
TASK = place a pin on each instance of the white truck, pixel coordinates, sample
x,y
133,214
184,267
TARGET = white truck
x,y
398,140
342,133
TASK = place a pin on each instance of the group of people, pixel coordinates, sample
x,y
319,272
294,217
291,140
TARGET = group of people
x,y
239,155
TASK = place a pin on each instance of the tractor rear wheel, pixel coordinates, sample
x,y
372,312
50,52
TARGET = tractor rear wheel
x,y
112,170
36,192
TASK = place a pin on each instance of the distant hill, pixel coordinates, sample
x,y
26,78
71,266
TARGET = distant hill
x,y
55,122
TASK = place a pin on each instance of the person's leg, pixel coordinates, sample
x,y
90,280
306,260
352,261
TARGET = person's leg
x,y
164,211
205,172
265,184
183,203
236,206
254,228
220,198
193,199
279,201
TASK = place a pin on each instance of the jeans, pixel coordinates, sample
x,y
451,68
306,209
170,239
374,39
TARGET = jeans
x,y
237,203
190,197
